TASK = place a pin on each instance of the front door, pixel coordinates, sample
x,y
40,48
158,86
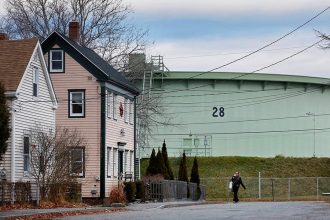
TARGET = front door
x,y
120,163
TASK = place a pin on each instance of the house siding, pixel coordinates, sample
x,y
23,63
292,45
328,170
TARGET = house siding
x,y
30,112
113,136
76,77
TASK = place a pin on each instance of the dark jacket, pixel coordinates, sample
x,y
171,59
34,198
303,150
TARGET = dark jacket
x,y
237,181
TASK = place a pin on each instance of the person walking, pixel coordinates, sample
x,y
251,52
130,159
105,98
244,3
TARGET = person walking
x,y
237,181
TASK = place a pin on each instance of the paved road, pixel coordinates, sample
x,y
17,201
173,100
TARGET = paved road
x,y
244,210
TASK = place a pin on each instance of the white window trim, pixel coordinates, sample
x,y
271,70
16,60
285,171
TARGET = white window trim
x,y
115,163
131,112
109,154
82,103
115,97
125,161
126,110
110,104
51,63
131,166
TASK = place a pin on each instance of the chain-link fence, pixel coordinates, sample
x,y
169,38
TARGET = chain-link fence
x,y
273,189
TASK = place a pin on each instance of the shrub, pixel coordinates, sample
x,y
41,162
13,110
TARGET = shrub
x,y
152,167
140,191
130,190
194,177
117,195
169,175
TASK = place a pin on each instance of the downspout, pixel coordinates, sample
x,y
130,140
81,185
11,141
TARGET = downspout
x,y
12,161
102,146
135,171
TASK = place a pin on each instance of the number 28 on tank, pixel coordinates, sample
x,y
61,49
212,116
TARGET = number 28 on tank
x,y
218,112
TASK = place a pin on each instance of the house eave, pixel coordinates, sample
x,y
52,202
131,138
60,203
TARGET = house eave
x,y
11,94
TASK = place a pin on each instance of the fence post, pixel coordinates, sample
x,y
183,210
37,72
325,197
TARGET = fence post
x,y
273,190
317,188
259,185
289,189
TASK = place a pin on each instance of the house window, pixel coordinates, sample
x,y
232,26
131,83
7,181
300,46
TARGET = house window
x,y
77,159
115,106
110,104
131,113
76,103
109,173
56,61
26,155
36,82
126,112
114,162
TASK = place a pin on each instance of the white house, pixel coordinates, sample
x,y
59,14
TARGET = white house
x,y
31,100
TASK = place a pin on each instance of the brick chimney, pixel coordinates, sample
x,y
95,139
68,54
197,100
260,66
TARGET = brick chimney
x,y
74,31
3,36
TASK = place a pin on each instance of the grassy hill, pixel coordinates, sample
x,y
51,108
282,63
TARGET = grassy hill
x,y
250,166
215,173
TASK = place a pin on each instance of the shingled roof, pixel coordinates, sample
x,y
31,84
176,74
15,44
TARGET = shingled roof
x,y
97,66
14,58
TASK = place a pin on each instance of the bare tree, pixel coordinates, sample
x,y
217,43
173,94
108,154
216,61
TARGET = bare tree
x,y
149,108
50,161
326,40
104,24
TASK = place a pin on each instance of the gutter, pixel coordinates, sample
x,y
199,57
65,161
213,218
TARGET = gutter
x,y
11,94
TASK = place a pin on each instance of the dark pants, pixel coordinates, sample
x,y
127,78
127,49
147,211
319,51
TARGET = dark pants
x,y
235,191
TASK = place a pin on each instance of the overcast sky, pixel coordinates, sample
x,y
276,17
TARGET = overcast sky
x,y
201,35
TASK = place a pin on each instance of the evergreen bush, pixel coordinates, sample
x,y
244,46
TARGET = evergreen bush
x,y
130,190
183,175
161,169
152,168
140,191
194,176
169,172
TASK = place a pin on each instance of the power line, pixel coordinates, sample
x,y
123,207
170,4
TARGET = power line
x,y
267,45
250,103
248,132
227,92
249,73
280,61
177,104
250,120
256,51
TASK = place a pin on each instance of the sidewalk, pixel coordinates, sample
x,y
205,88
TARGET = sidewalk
x,y
132,206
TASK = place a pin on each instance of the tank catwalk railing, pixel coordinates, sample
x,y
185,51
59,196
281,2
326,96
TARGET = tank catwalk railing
x,y
271,189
